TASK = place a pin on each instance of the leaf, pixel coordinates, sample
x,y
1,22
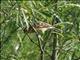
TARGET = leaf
x,y
25,19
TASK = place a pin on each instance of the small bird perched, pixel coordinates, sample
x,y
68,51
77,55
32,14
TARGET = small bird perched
x,y
38,26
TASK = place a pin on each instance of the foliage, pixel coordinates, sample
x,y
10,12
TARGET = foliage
x,y
19,45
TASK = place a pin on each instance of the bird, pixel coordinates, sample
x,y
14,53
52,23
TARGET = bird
x,y
38,26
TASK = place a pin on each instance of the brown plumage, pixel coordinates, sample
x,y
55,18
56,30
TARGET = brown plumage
x,y
39,26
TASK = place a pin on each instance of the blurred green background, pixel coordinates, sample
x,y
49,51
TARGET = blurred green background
x,y
62,43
